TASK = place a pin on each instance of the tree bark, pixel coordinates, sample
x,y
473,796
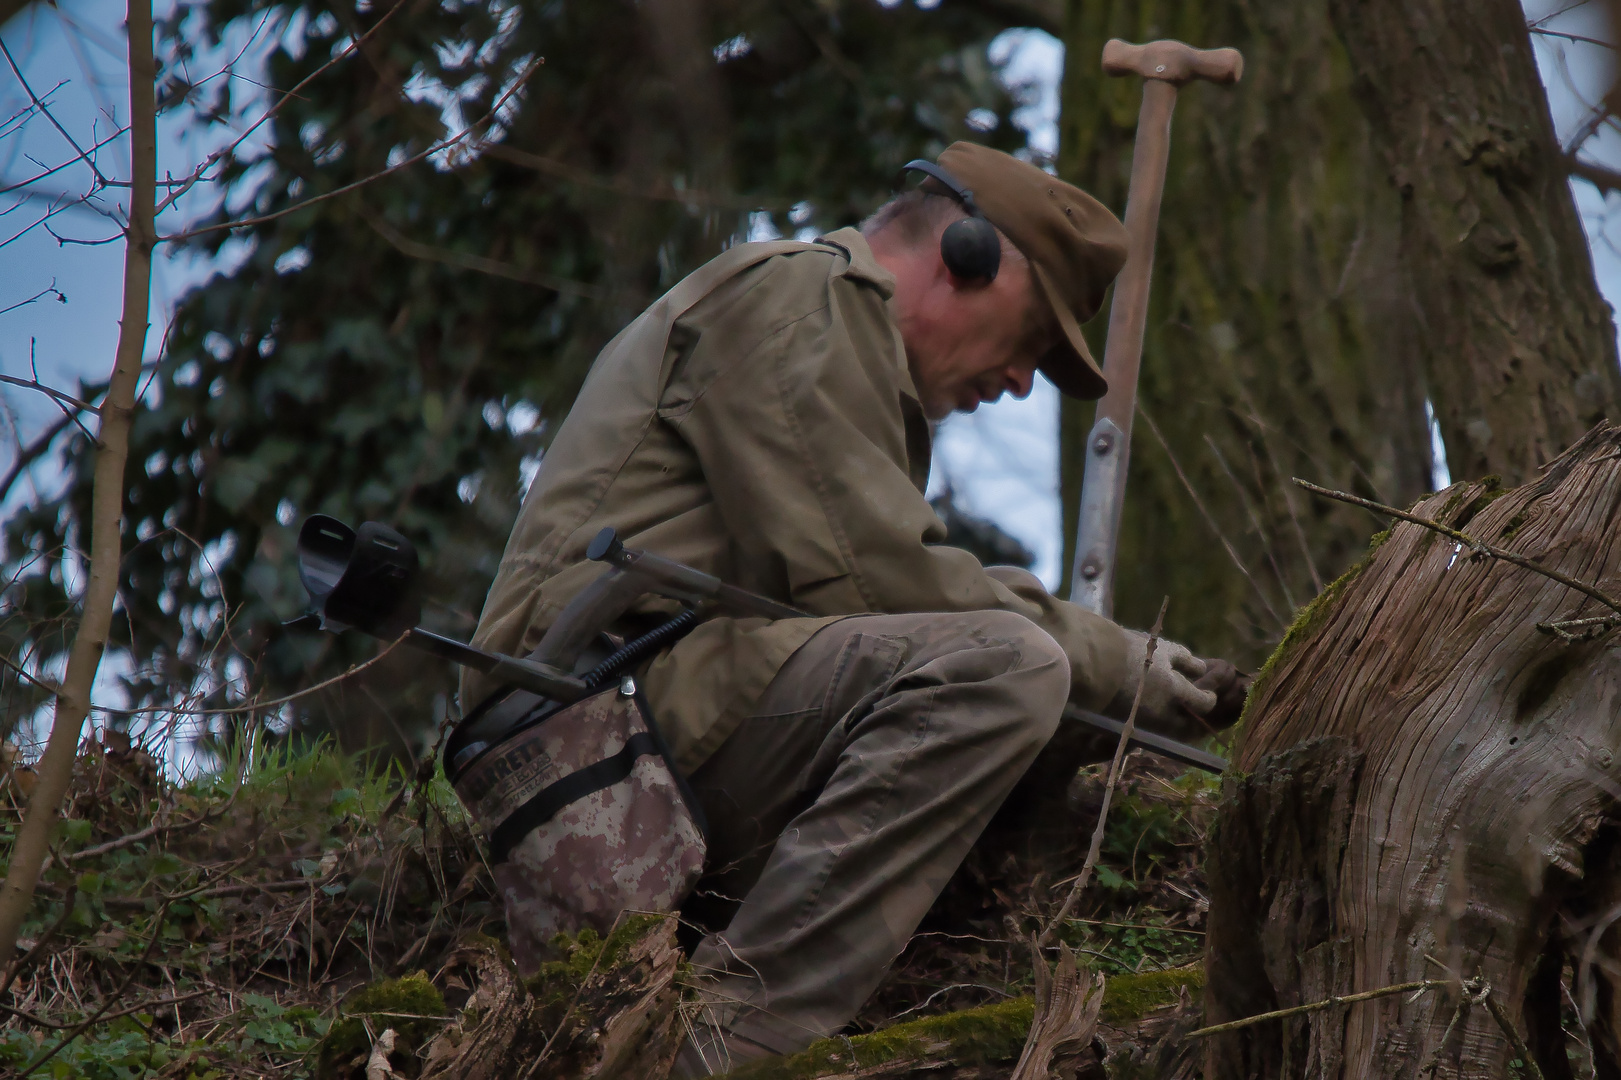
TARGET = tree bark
x,y
90,638
1279,333
1425,788
1519,345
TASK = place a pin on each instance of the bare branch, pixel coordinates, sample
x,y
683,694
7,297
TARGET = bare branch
x,y
50,391
623,186
258,706
1479,547
66,164
1544,32
458,138
1096,850
31,453
1419,986
45,110
185,185
1211,521
49,290
477,263
1605,179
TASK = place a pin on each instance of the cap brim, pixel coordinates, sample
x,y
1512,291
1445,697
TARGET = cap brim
x,y
1069,364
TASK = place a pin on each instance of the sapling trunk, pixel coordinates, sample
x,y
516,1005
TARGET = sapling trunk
x,y
55,769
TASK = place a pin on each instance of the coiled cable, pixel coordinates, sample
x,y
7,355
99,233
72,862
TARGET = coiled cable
x,y
634,650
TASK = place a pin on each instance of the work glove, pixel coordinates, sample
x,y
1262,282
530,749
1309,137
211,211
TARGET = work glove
x,y
1169,687
1231,688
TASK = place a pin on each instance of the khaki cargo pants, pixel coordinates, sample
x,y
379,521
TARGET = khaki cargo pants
x,y
839,810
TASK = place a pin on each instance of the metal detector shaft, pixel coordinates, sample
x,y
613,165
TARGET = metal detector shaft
x,y
542,679
682,582
1157,744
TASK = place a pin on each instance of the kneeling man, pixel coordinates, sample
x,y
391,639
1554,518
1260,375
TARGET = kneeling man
x,y
767,421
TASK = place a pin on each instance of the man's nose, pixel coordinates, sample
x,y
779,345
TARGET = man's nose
x,y
1019,380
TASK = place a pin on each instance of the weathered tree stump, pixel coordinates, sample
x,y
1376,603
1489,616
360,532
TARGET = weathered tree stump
x,y
1426,789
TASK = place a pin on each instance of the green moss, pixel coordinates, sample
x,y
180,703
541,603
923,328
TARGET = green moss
x,y
1132,997
400,1004
991,1033
1306,623
1514,524
557,980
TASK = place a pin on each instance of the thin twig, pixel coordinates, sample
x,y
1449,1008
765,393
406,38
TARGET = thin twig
x,y
49,391
27,455
1544,32
1255,519
259,705
1096,849
158,1003
45,110
1204,513
243,223
1523,1052
354,46
148,832
621,186
1480,547
50,290
477,263
1316,1006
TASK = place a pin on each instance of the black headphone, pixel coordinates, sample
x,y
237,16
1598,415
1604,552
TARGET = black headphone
x,y
970,247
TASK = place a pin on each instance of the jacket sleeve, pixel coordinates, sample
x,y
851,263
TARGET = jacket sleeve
x,y
801,428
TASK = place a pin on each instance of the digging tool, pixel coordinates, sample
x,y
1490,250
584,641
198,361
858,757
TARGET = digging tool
x,y
1166,65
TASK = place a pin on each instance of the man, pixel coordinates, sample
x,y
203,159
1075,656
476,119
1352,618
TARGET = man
x,y
767,421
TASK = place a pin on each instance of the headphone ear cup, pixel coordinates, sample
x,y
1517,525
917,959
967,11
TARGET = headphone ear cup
x,y
971,249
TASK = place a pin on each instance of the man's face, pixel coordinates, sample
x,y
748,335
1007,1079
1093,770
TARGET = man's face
x,y
971,342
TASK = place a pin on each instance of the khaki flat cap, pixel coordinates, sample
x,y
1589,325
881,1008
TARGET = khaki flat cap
x,y
1075,247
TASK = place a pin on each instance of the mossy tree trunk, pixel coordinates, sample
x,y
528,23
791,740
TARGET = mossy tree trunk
x,y
1426,784
1518,343
1279,338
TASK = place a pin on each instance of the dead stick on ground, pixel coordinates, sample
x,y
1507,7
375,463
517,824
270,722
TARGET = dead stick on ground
x,y
1480,547
1521,1051
1348,999
1096,849
107,495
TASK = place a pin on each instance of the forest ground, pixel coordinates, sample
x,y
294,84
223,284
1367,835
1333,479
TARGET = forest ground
x,y
263,919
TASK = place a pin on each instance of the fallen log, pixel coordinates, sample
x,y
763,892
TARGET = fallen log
x,y
1425,789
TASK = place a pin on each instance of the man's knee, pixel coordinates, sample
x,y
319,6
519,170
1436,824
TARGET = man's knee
x,y
1040,671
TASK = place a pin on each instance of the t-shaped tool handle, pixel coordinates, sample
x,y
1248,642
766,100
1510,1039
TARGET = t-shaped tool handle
x,y
1172,61
1164,66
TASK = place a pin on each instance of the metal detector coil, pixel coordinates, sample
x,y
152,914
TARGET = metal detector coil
x,y
366,578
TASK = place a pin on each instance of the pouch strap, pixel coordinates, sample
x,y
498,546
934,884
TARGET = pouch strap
x,y
571,788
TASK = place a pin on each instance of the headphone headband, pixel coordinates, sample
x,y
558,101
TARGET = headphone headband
x,y
959,192
970,247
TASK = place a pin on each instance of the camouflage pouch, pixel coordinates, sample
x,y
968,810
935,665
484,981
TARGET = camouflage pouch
x,y
586,818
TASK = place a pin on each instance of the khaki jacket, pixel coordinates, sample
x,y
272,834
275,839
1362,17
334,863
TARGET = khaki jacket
x,y
759,422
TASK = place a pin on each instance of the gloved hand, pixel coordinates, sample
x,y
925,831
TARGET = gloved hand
x,y
1231,688
1167,683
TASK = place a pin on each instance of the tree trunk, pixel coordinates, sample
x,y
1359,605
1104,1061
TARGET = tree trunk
x,y
1426,785
1519,345
1279,334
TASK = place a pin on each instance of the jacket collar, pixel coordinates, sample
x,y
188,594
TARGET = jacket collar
x,y
862,265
